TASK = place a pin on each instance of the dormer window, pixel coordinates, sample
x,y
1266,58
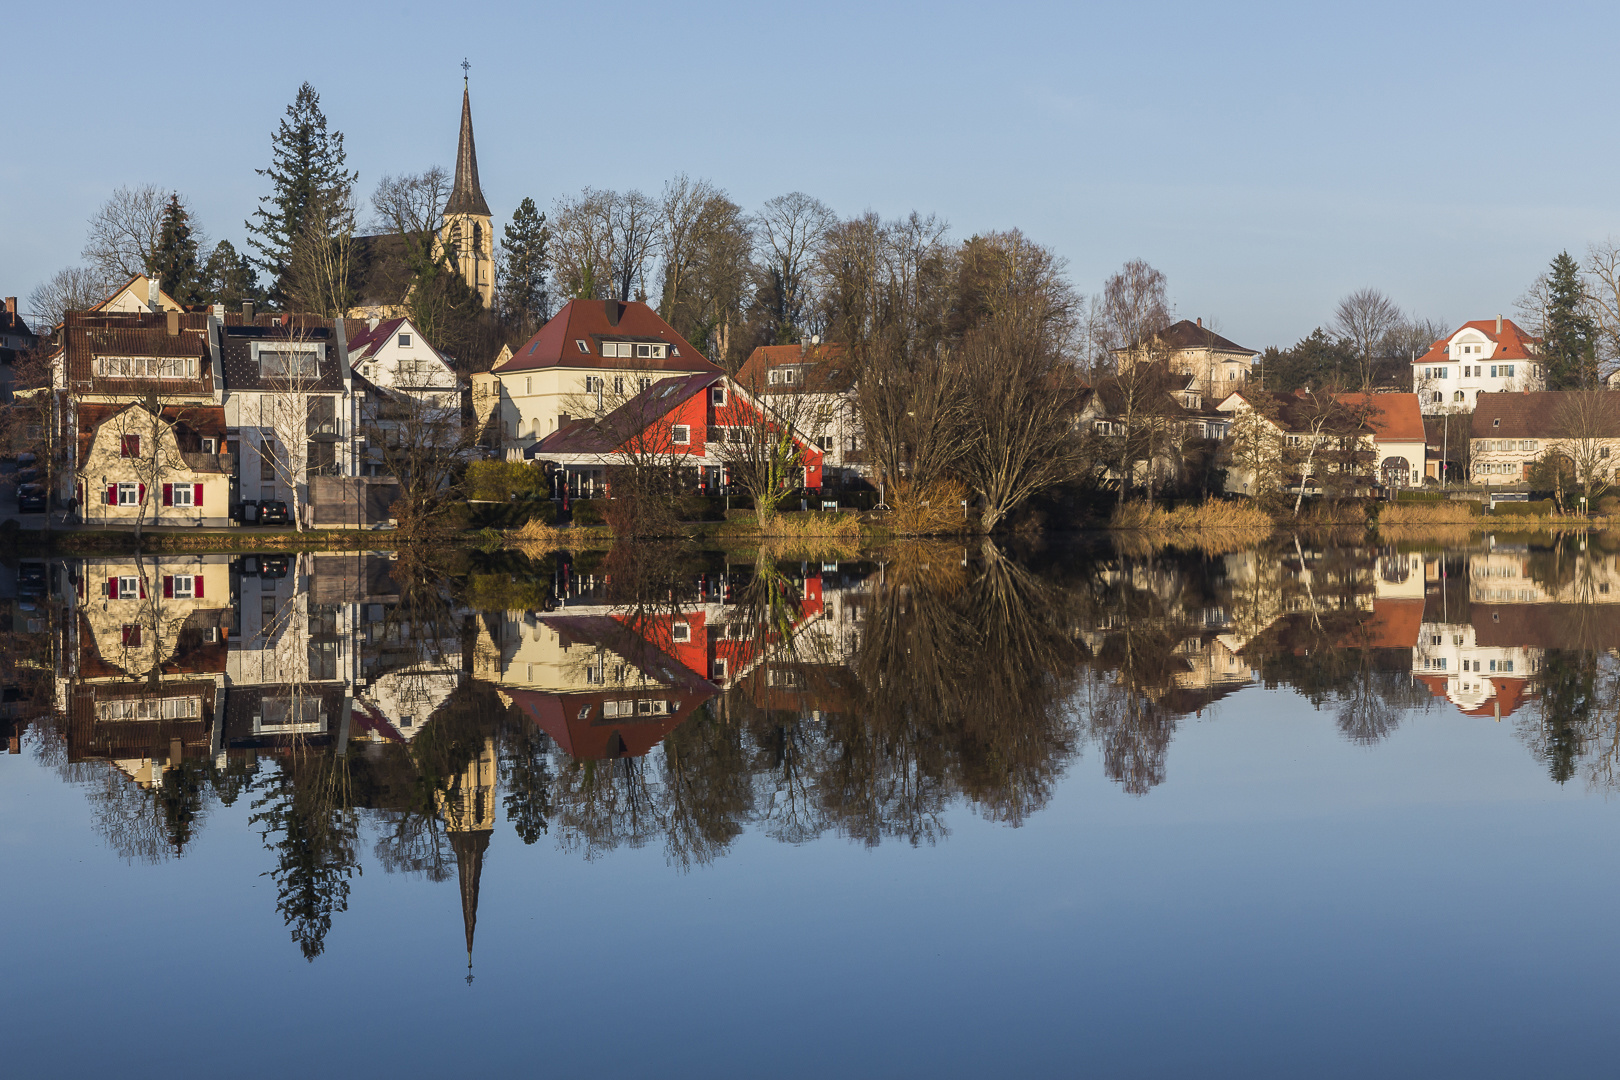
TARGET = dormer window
x,y
404,341
584,348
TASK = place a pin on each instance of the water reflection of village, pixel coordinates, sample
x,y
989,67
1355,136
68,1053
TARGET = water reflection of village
x,y
654,695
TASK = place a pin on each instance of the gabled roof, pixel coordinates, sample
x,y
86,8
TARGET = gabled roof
x,y
89,334
827,369
367,336
590,436
138,287
596,321
189,421
1391,417
1187,334
1513,343
1536,414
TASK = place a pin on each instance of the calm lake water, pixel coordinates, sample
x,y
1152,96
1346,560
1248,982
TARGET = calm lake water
x,y
1306,810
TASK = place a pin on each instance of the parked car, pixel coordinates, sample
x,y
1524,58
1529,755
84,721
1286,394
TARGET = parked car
x,y
28,475
25,459
31,579
31,498
273,513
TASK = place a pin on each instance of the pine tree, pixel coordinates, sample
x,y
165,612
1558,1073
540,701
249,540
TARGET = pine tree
x,y
525,269
1569,335
230,278
174,261
311,189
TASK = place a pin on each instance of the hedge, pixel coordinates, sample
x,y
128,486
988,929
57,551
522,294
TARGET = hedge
x,y
588,511
501,481
1534,508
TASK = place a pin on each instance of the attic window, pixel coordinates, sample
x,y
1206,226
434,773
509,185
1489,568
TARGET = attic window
x,y
404,341
674,350
1497,422
584,348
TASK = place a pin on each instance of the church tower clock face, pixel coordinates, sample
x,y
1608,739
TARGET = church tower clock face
x,y
467,235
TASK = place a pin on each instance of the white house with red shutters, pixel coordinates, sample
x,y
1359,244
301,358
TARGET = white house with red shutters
x,y
158,469
686,421
1483,357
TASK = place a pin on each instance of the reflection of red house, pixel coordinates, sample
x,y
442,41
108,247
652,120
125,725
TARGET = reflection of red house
x,y
625,721
1506,695
1393,624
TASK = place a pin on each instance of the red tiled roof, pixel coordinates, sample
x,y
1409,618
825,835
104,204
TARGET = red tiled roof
x,y
587,320
88,335
1391,417
1512,343
829,369
372,335
588,436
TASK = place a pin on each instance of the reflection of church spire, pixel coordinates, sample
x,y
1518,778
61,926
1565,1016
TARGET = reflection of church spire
x,y
469,848
468,809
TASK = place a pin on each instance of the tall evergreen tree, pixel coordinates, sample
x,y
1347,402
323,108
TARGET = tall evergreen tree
x,y
174,261
525,268
230,278
1569,345
311,186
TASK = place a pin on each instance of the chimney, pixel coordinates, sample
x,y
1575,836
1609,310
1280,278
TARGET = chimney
x,y
247,312
614,309
1499,324
173,319
804,345
1200,322
371,323
11,305
154,293
219,314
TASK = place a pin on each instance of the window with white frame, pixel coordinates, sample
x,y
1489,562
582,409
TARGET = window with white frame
x,y
404,341
680,434
128,495
584,348
129,587
288,360
717,395
681,631
180,495
147,367
183,586
173,708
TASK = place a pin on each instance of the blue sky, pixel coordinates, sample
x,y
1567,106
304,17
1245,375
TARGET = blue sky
x,y
1268,157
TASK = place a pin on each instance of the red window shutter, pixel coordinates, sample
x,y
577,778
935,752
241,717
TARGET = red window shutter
x,y
196,582
196,495
143,588
168,494
112,588
140,493
168,587
112,494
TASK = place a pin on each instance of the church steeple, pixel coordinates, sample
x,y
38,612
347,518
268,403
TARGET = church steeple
x,y
468,234
466,197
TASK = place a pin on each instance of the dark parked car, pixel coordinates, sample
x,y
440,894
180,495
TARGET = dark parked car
x,y
28,475
26,459
31,498
31,579
273,513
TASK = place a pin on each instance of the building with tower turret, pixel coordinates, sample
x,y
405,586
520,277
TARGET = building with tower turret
x,y
467,234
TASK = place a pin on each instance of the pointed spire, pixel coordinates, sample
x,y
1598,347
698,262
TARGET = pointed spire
x,y
470,847
466,197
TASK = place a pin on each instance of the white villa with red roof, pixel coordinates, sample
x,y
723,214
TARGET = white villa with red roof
x,y
590,357
1483,357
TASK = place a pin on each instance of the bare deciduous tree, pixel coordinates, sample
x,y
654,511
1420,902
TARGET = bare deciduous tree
x,y
73,288
126,231
789,231
1365,318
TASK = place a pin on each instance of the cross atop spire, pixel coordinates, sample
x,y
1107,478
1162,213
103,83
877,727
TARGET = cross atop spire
x,y
466,197
464,66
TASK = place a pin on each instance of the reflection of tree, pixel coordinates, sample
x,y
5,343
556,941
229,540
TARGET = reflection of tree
x,y
526,778
309,823
706,791
1568,686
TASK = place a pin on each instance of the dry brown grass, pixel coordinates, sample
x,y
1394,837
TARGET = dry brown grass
x,y
536,539
1213,514
1450,512
1216,527
926,509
